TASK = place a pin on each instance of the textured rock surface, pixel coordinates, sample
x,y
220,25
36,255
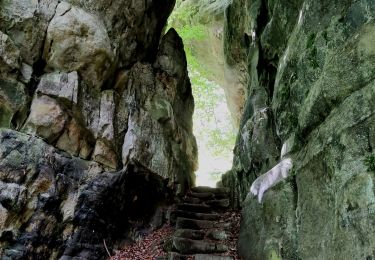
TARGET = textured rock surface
x,y
26,24
95,110
14,101
156,120
310,84
54,204
13,94
47,118
77,40
10,54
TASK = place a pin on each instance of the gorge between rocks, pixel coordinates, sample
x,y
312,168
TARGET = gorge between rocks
x,y
97,146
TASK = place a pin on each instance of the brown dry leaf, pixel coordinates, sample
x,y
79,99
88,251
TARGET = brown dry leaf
x,y
151,245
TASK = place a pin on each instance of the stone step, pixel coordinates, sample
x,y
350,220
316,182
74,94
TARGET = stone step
x,y
191,200
202,195
164,257
187,223
221,203
205,189
214,203
200,208
217,235
189,246
222,196
196,234
177,256
211,257
193,215
190,233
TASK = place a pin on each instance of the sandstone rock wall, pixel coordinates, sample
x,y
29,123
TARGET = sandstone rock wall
x,y
310,83
93,103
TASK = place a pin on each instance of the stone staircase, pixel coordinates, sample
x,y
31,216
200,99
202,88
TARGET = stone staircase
x,y
200,230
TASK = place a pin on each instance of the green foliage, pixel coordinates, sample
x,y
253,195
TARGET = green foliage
x,y
182,14
213,128
190,30
369,161
197,11
194,32
221,139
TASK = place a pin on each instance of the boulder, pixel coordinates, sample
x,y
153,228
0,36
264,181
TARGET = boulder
x,y
159,132
105,154
77,40
60,85
26,24
52,203
134,27
47,118
76,140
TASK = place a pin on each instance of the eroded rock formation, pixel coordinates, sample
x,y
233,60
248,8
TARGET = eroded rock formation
x,y
310,68
96,123
95,117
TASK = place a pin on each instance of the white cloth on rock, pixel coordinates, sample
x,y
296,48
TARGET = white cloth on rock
x,y
271,178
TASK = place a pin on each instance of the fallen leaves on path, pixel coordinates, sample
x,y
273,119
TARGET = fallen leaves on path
x,y
148,248
151,246
234,217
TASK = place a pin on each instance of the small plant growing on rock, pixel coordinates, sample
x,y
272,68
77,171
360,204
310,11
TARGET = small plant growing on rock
x,y
369,161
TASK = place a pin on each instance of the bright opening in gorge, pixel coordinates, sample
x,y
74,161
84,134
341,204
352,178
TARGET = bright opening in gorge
x,y
214,126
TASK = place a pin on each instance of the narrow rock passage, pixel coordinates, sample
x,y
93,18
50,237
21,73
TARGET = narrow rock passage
x,y
204,229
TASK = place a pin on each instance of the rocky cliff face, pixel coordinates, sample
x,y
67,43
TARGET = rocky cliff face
x,y
310,83
95,118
